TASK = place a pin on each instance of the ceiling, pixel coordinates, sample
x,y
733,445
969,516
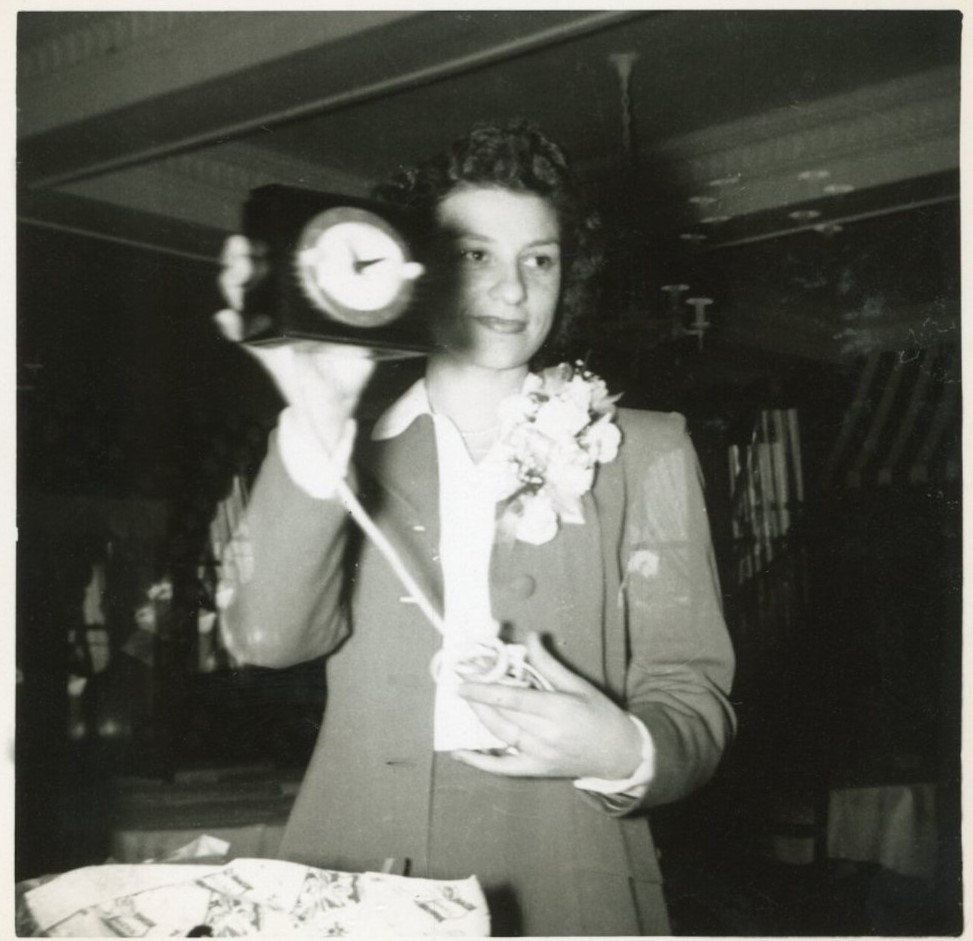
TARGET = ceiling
x,y
799,167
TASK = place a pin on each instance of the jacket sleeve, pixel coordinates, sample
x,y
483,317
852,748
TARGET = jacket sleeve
x,y
281,580
681,662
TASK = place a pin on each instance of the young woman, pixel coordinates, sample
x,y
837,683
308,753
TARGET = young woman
x,y
539,792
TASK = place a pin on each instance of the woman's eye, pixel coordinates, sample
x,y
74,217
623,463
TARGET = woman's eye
x,y
541,262
472,256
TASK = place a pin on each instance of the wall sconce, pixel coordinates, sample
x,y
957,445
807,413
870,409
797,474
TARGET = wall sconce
x,y
698,326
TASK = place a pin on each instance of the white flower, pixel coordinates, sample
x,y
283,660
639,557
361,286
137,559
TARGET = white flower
x,y
553,435
532,383
602,440
579,391
601,402
559,418
534,446
503,478
537,522
570,472
553,379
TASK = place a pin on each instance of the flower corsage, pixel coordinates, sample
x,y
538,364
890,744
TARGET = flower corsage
x,y
552,436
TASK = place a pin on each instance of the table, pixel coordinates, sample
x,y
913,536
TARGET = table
x,y
248,897
894,825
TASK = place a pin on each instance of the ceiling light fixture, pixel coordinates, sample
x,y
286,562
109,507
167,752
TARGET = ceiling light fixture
x,y
731,180
623,63
674,290
674,326
829,228
804,215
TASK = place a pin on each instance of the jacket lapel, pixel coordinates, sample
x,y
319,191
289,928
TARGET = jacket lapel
x,y
610,498
400,487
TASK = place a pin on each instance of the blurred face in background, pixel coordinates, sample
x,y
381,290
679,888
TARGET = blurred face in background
x,y
501,252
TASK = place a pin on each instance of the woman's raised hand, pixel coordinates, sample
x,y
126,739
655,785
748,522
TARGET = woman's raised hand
x,y
322,381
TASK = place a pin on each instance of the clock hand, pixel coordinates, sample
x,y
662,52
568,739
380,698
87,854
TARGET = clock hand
x,y
361,264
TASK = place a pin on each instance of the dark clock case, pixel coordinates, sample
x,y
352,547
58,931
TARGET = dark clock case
x,y
277,309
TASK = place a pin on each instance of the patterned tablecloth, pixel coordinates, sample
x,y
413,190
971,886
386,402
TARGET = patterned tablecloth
x,y
249,897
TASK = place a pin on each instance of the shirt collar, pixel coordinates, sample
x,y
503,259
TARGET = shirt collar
x,y
403,412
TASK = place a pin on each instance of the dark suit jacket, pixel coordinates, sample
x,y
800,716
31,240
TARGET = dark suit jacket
x,y
629,600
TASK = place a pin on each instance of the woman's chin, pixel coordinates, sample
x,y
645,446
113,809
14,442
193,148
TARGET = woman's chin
x,y
475,355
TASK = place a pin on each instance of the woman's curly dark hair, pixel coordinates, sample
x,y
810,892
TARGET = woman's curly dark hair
x,y
521,158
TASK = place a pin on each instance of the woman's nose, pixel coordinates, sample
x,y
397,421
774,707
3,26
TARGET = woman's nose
x,y
509,286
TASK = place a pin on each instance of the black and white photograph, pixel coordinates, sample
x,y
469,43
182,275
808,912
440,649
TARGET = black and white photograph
x,y
487,472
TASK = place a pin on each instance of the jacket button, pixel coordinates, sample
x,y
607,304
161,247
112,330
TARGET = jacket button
x,y
522,587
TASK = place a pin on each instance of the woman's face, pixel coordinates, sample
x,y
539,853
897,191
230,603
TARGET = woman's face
x,y
503,259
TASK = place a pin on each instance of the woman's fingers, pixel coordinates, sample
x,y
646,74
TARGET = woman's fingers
x,y
322,381
234,248
242,262
230,323
555,672
237,269
510,765
515,698
507,728
346,369
572,731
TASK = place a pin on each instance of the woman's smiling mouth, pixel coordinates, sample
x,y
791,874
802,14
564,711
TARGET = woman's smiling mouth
x,y
502,324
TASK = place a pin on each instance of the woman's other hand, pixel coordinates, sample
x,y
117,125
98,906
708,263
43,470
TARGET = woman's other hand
x,y
322,381
574,731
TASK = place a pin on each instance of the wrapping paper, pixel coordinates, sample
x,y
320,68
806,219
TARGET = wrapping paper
x,y
253,896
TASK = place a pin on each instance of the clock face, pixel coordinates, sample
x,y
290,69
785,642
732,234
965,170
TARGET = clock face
x,y
355,267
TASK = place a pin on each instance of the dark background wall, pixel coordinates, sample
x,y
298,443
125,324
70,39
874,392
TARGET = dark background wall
x,y
133,417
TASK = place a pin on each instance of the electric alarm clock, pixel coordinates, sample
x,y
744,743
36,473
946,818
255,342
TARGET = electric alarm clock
x,y
336,269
